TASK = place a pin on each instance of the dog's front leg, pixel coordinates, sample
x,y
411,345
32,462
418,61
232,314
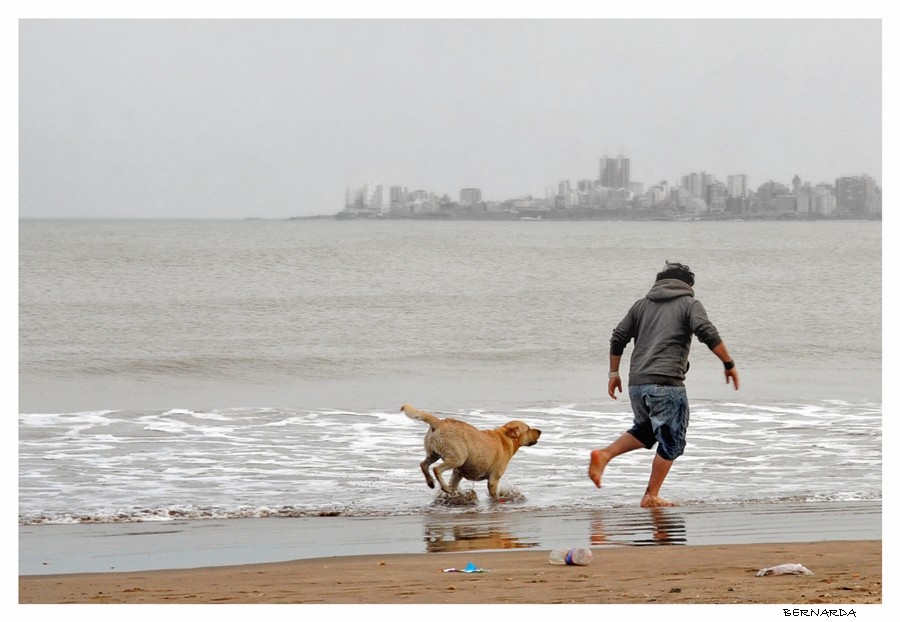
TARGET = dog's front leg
x,y
494,486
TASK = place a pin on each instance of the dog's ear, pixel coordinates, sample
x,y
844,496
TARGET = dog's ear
x,y
512,430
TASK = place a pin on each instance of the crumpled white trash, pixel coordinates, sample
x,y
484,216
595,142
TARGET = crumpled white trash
x,y
784,569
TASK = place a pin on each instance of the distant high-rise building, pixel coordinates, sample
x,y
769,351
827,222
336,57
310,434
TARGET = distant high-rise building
x,y
364,199
423,202
856,195
468,196
784,203
615,172
804,194
737,186
658,193
398,196
823,200
566,196
716,193
697,183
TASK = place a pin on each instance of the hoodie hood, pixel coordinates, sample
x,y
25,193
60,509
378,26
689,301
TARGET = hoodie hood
x,y
668,289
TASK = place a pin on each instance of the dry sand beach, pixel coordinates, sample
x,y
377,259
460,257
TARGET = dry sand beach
x,y
845,573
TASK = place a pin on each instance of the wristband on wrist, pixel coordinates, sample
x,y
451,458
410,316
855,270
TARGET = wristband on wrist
x,y
613,374
728,365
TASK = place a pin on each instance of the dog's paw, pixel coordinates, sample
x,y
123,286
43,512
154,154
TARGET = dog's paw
x,y
509,494
468,497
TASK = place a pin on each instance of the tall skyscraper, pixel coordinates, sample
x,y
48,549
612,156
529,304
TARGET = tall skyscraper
x,y
823,199
856,195
697,183
364,198
737,185
398,197
615,172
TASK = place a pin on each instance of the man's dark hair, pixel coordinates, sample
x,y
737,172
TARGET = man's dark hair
x,y
678,271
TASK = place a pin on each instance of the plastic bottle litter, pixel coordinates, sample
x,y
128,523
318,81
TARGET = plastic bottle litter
x,y
784,569
577,556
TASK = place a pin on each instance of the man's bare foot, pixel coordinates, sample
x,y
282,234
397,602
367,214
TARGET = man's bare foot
x,y
655,502
599,458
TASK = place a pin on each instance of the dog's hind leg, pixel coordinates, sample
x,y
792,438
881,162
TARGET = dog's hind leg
x,y
425,464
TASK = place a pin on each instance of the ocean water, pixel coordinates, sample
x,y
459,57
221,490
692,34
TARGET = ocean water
x,y
219,369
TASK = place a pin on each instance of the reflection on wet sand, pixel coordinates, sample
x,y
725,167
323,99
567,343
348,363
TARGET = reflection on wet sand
x,y
448,533
452,534
649,526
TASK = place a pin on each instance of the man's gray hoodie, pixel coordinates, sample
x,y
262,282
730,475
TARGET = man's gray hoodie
x,y
662,325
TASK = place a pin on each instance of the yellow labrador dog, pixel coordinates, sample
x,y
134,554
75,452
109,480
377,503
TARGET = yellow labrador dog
x,y
473,454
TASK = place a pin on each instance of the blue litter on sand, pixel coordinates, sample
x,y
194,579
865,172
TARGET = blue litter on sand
x,y
470,567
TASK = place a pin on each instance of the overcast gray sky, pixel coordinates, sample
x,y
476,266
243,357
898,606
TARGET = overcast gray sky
x,y
275,118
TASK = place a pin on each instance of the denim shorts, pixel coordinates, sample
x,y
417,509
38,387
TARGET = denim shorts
x,y
661,414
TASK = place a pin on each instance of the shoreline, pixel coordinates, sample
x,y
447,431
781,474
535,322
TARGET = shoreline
x,y
141,546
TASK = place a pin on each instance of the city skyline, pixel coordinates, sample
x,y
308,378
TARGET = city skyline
x,y
613,176
750,184
273,118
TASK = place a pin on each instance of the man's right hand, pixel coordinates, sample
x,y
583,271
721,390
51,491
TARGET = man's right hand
x,y
614,384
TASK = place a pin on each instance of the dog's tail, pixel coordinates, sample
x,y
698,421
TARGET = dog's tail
x,y
414,413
